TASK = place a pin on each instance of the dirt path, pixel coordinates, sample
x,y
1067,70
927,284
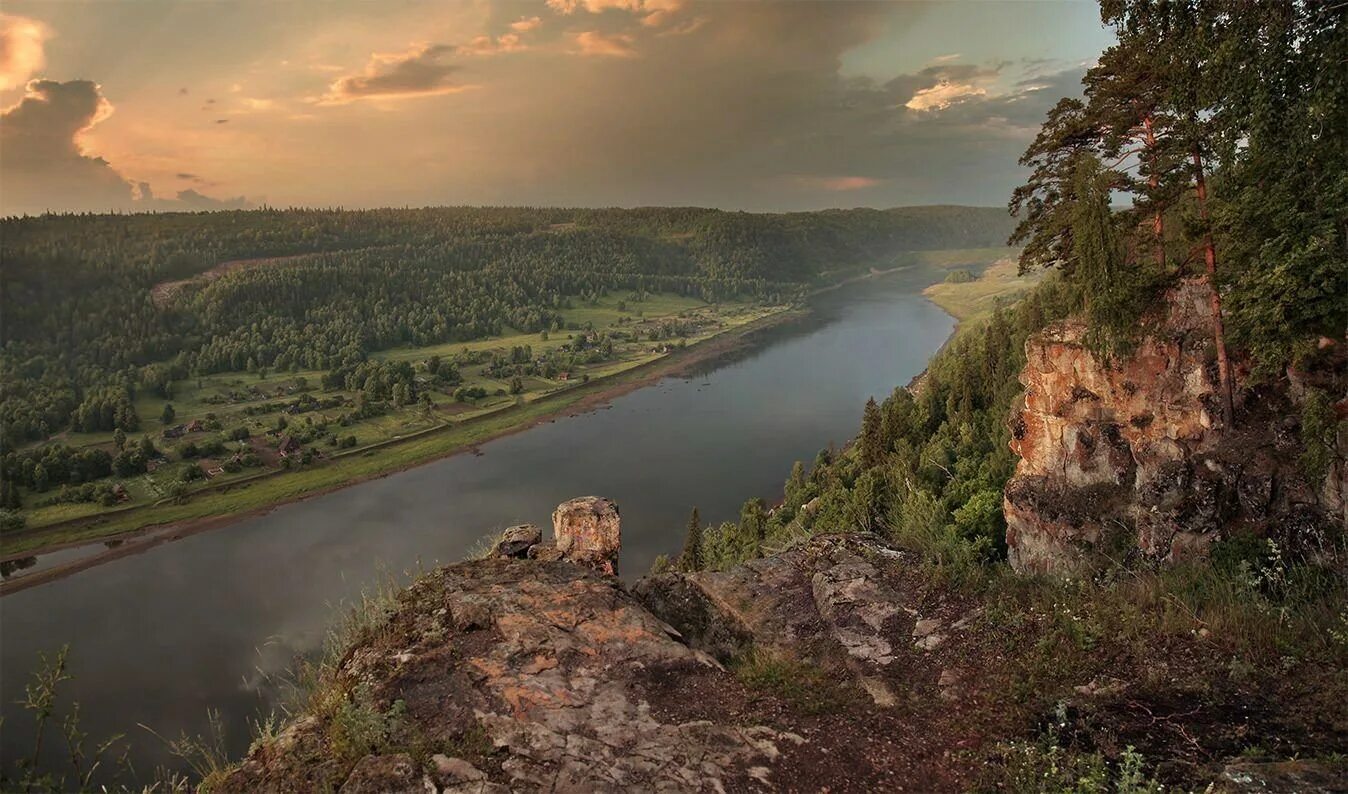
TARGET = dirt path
x,y
164,292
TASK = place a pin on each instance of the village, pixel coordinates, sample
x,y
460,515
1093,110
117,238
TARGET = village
x,y
215,431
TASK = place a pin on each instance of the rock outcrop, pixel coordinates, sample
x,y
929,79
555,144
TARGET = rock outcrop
x,y
1129,456
835,664
587,530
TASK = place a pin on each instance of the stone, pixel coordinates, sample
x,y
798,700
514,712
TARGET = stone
x,y
545,552
570,690
452,771
518,540
587,532
1284,777
924,627
385,774
949,684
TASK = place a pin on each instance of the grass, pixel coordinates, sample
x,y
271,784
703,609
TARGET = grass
x,y
972,301
805,686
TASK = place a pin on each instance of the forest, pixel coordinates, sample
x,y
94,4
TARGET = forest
x,y
83,329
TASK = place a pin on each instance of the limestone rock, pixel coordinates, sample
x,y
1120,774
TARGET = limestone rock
x,y
518,540
587,532
1284,777
824,601
1129,457
567,688
453,771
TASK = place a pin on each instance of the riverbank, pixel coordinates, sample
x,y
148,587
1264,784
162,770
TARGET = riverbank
x,y
137,529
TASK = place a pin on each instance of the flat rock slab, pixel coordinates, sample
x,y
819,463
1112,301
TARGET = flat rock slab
x,y
551,664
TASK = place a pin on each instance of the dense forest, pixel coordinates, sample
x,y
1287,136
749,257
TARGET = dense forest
x,y
97,307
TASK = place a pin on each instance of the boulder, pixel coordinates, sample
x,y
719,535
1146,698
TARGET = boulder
x,y
587,532
517,540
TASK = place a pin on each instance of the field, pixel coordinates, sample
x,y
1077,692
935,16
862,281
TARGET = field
x,y
974,300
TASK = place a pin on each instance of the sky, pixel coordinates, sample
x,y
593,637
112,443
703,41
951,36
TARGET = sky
x,y
767,106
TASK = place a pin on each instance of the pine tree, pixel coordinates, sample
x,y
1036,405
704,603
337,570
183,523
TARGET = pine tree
x,y
872,441
168,414
691,558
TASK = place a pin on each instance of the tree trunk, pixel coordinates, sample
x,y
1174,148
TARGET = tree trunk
x,y
1157,221
1214,298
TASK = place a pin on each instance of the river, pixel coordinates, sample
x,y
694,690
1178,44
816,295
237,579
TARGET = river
x,y
160,637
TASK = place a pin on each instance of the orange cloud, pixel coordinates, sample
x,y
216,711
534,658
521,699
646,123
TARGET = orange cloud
x,y
526,24
418,72
592,42
486,45
21,49
943,95
653,12
838,184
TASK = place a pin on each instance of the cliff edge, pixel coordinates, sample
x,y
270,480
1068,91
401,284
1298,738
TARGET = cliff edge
x,y
1128,457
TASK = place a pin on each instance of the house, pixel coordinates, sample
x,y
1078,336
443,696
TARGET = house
x,y
289,444
564,376
174,432
195,426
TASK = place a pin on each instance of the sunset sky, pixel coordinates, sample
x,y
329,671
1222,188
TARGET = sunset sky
x,y
759,106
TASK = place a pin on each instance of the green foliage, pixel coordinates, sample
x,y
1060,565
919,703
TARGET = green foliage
x,y
358,728
929,467
691,557
1052,763
1319,431
805,686
1224,130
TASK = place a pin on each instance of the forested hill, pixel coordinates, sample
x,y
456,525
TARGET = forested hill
x,y
83,327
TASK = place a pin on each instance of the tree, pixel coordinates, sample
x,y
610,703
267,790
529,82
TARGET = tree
x,y
119,439
691,558
40,478
872,441
168,413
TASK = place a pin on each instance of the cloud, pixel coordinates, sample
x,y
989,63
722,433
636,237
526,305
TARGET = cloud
x,y
943,95
526,24
616,45
486,45
43,165
653,13
945,84
418,72
838,184
21,49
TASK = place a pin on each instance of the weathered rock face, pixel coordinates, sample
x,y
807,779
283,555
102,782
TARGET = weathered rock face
x,y
587,532
1129,454
833,665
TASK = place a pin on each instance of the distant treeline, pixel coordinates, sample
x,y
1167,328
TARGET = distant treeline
x,y
78,321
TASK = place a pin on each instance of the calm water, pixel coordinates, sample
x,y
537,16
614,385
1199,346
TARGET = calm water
x,y
160,637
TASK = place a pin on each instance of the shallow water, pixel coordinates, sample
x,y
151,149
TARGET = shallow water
x,y
160,637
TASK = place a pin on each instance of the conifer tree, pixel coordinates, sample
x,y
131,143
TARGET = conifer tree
x,y
691,558
872,442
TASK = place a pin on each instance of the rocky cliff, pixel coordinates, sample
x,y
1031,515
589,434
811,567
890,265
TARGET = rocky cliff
x,y
1128,456
838,664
